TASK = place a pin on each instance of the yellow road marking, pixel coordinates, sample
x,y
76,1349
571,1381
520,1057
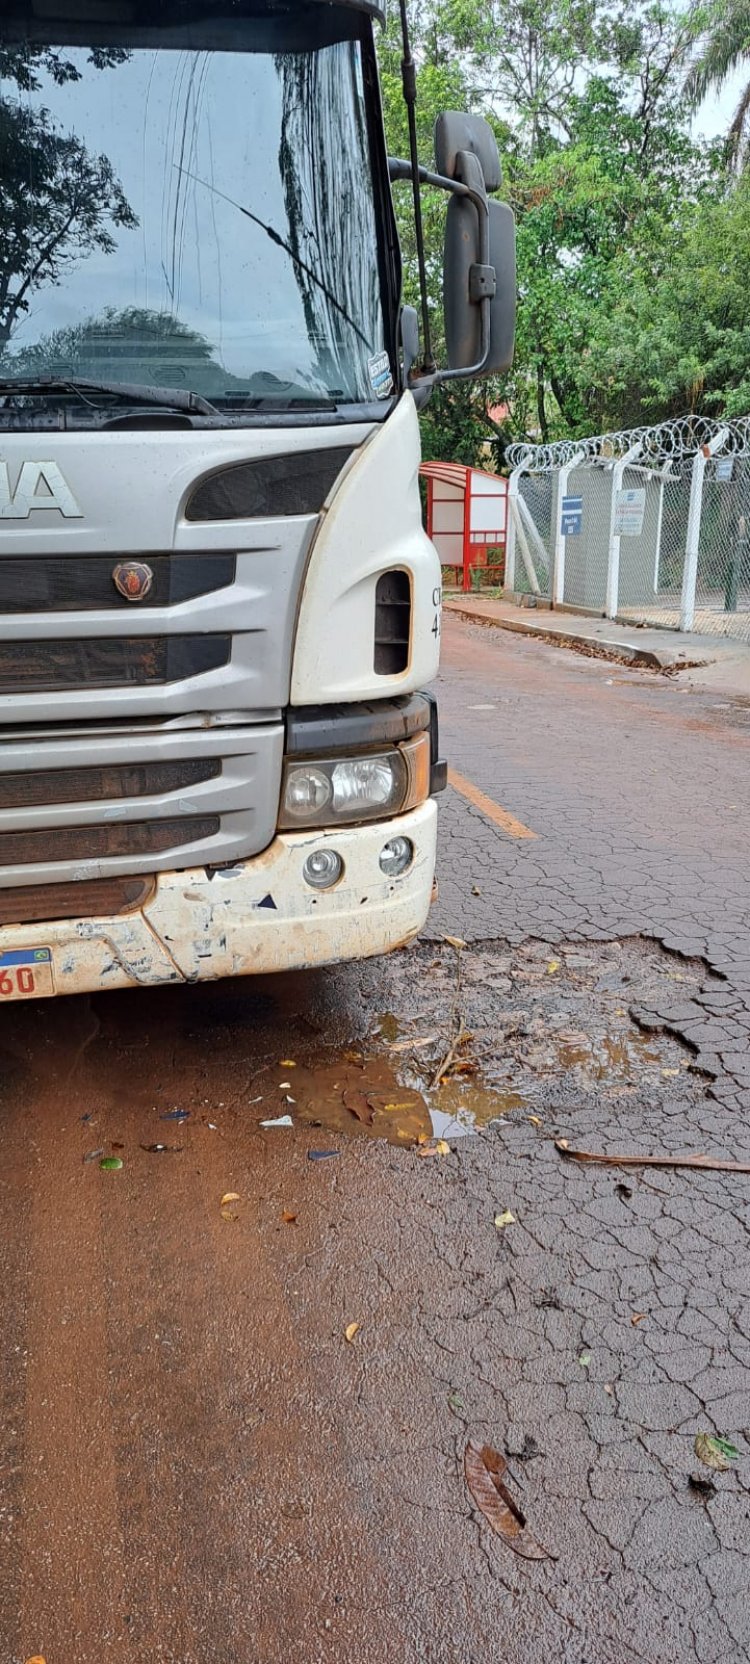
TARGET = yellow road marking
x,y
501,817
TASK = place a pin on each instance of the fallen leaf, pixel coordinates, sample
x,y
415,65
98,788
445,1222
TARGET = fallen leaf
x,y
638,1318
162,1149
279,1121
37,1659
288,1218
117,1145
434,1147
226,1213
111,1164
456,942
456,1402
609,1388
287,1063
503,1219
230,1196
484,1469
357,1104
351,1330
475,890
93,1155
711,1164
584,1360
554,965
714,1452
536,1120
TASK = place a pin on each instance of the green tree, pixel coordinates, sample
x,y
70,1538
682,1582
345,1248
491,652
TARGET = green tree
x,y
723,28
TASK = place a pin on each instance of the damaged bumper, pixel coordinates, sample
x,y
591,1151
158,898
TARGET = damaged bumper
x,y
258,916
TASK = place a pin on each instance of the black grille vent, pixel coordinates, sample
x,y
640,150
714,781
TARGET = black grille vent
x,y
277,485
95,785
392,623
85,583
108,661
91,843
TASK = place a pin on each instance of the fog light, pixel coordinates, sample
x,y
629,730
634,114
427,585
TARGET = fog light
x,y
323,868
396,856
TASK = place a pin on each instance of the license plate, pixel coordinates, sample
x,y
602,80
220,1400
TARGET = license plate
x,y
26,974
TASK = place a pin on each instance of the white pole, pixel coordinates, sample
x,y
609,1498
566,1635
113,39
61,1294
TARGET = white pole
x,y
514,484
692,541
613,552
659,524
558,575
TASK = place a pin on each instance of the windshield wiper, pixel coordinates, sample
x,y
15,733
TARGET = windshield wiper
x,y
280,243
167,398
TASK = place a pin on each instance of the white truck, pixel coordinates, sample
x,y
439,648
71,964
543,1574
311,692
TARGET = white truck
x,y
218,606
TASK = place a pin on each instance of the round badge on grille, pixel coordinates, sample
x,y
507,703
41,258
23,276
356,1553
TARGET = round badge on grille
x,y
133,580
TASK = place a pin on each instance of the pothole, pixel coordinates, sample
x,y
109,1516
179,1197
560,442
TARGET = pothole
x,y
486,1034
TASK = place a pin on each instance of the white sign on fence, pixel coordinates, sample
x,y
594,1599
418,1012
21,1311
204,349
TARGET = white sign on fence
x,y
630,507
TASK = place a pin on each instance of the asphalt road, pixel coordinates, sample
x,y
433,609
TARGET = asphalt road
x,y
196,1465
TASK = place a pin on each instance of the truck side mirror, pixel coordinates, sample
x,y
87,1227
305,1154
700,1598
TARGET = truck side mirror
x,y
479,284
467,281
456,132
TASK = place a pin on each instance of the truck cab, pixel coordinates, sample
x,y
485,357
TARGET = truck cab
x,y
218,605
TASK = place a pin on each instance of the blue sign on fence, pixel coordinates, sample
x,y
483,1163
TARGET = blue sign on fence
x,y
571,516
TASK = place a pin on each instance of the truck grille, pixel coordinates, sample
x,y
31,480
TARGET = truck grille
x,y
84,583
114,661
138,802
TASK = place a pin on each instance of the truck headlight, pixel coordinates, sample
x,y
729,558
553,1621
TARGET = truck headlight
x,y
334,791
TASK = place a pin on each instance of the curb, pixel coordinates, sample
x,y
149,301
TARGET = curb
x,y
649,658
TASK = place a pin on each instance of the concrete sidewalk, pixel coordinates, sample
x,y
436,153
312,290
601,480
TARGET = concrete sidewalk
x,y
719,664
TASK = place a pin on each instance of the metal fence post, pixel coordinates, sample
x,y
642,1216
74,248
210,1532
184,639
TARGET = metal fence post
x,y
558,564
613,552
514,484
692,541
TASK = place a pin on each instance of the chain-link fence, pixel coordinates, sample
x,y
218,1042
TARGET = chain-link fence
x,y
651,525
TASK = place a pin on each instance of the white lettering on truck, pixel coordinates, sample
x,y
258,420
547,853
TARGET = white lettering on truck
x,y
17,504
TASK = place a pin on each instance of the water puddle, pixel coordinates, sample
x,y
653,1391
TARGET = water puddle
x,y
367,1099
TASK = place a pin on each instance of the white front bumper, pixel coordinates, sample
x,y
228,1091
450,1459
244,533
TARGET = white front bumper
x,y
259,916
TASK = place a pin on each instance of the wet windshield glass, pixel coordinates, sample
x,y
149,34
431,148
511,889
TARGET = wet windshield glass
x,y
199,219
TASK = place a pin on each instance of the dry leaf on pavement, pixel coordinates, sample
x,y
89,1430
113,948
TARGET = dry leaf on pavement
x,y
351,1330
434,1147
357,1104
503,1219
230,1196
456,942
715,1453
288,1218
484,1469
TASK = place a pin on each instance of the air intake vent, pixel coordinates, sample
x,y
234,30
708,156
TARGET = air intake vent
x,y
277,485
392,623
107,661
91,843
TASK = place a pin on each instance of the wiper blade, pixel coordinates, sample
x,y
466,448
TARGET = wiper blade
x,y
136,392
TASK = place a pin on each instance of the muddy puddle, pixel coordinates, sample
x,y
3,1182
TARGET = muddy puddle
x,y
435,1042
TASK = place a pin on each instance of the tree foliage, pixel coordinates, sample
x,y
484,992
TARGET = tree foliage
x,y
631,277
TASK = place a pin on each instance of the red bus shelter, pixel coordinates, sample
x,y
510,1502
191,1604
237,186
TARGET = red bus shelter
x,y
467,514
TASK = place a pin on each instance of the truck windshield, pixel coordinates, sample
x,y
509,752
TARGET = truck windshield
x,y
199,218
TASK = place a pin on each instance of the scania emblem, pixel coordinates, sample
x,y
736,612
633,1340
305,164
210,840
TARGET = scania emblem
x,y
133,580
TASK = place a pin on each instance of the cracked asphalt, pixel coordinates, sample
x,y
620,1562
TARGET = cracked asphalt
x,y
196,1466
